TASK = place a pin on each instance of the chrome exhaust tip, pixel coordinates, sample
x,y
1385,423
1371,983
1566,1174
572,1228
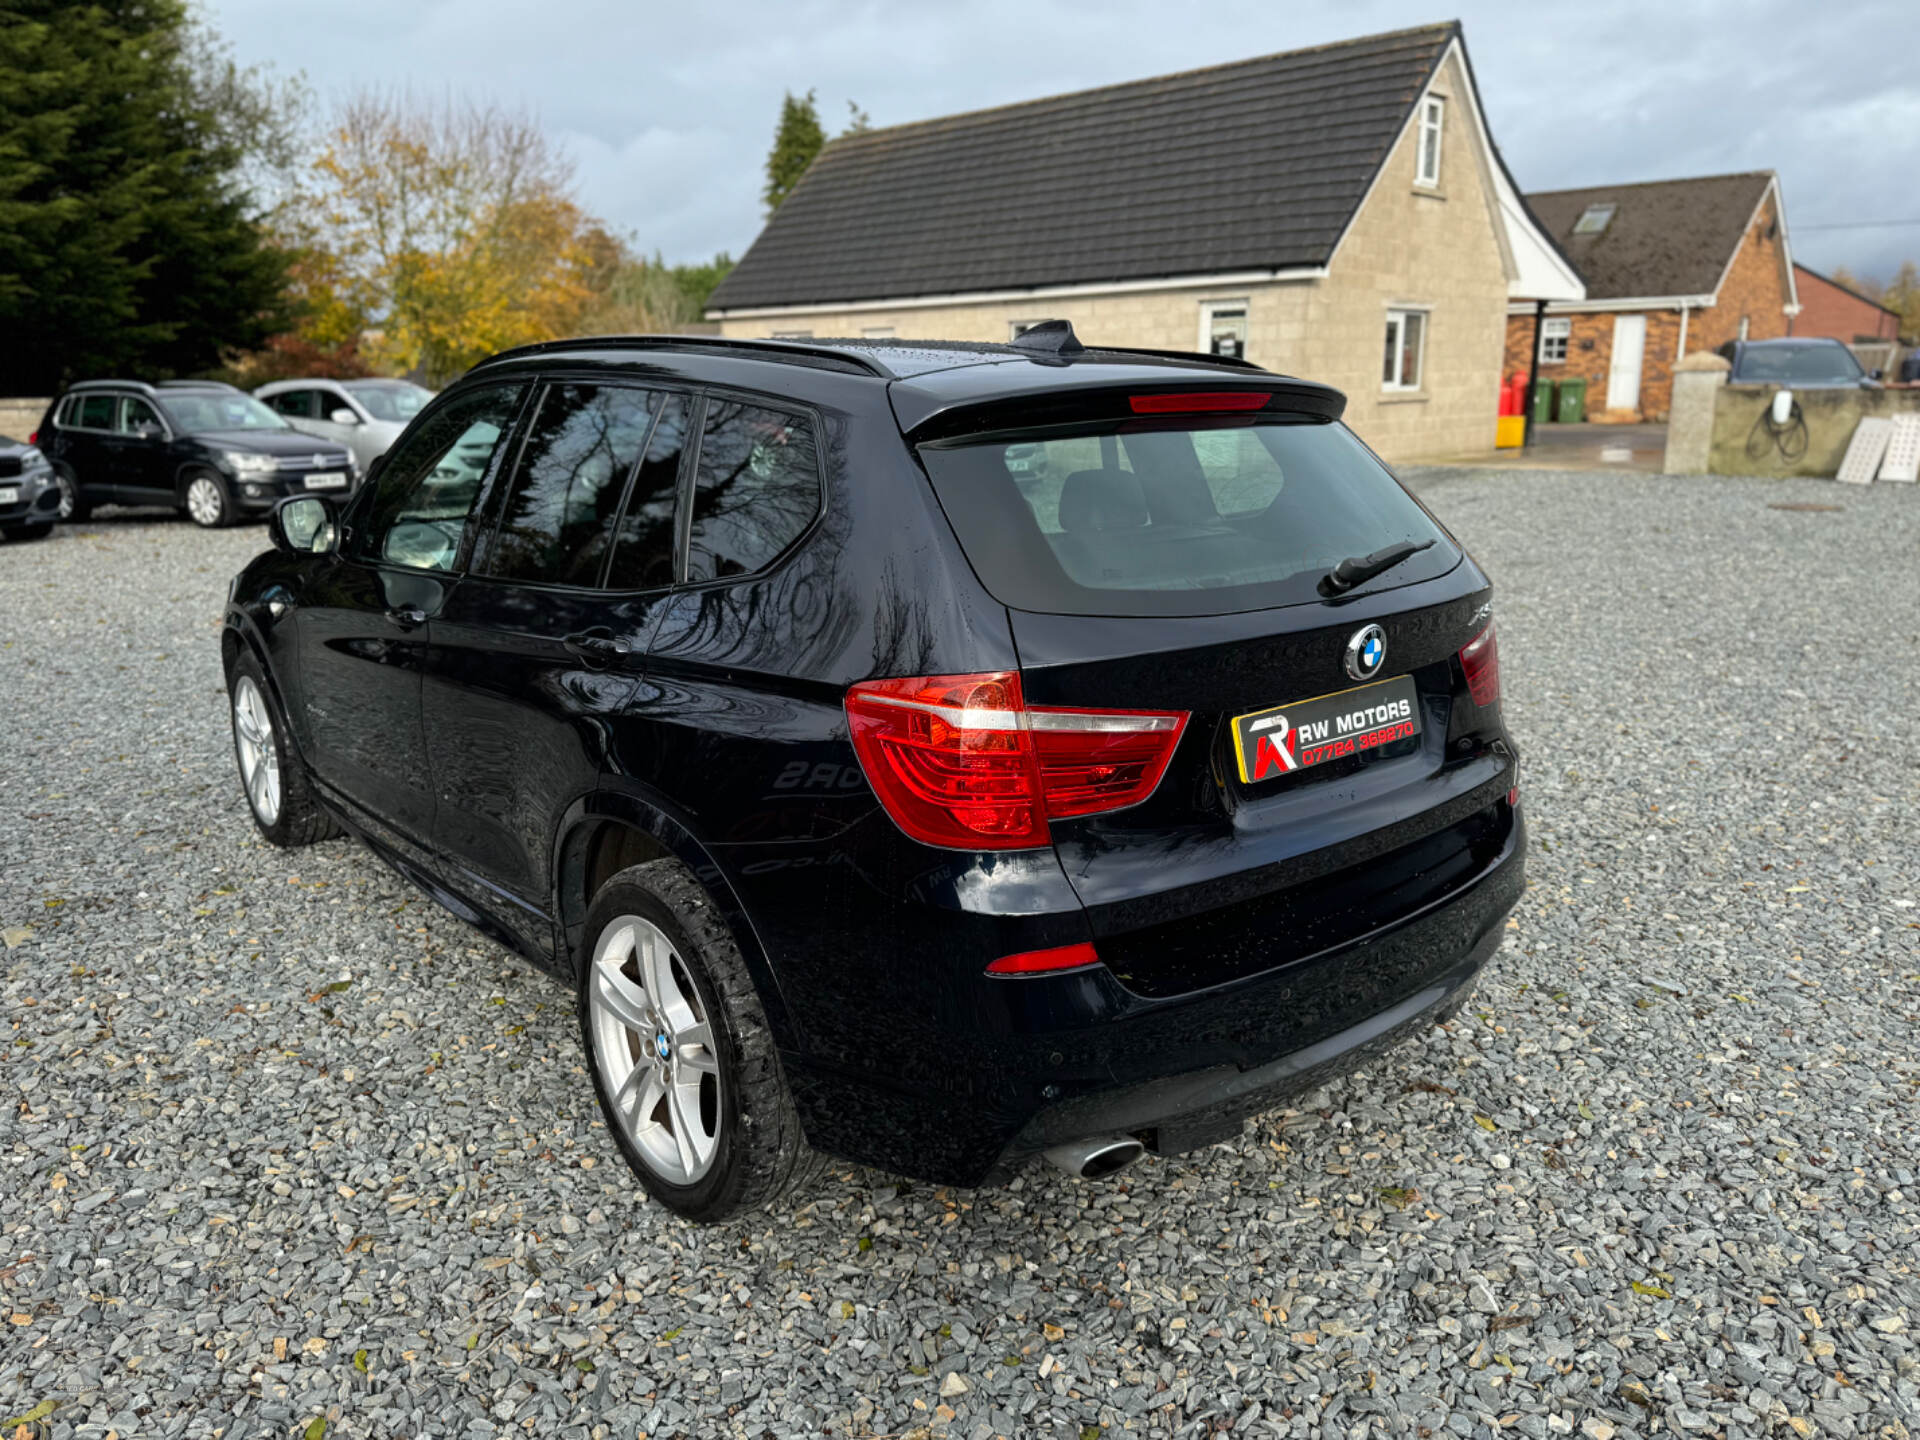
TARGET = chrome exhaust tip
x,y
1098,1157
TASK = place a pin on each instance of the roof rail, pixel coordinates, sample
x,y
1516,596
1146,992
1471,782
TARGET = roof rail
x,y
196,385
797,352
110,384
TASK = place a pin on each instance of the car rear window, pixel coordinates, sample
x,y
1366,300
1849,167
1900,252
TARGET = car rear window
x,y
1178,517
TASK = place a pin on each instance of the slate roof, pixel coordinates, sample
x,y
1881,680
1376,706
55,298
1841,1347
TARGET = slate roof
x,y
1255,165
1667,237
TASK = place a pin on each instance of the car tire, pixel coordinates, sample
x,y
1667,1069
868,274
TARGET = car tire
x,y
279,795
73,501
205,500
28,532
681,1056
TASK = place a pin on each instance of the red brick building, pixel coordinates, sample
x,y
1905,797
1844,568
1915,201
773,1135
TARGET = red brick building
x,y
1672,268
1829,309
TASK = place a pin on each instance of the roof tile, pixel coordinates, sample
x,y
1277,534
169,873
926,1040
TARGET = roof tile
x,y
1255,165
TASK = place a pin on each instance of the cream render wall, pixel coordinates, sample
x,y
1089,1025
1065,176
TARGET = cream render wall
x,y
1435,249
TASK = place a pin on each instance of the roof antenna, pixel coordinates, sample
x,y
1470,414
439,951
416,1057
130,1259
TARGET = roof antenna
x,y
1050,340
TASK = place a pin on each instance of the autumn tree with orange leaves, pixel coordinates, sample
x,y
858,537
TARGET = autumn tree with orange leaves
x,y
440,233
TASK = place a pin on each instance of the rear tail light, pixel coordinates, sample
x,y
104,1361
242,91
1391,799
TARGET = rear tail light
x,y
34,438
1481,660
962,761
1041,962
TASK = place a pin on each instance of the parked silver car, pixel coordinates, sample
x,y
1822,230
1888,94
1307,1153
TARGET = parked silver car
x,y
364,415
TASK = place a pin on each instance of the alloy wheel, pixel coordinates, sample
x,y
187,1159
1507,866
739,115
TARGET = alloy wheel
x,y
69,493
259,756
653,1041
204,501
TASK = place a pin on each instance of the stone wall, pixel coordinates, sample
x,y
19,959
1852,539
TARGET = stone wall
x,y
1436,249
1741,445
19,416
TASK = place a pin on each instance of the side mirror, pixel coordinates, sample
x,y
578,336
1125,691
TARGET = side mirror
x,y
1876,374
149,430
303,525
344,416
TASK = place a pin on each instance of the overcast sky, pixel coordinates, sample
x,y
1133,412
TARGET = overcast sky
x,y
668,109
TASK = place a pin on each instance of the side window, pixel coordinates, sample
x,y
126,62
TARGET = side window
x,y
325,402
137,417
96,412
643,552
756,489
581,445
431,481
292,402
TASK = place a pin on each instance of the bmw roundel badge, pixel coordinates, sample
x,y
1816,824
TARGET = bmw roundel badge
x,y
1366,652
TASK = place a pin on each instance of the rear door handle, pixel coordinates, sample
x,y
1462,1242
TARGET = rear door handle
x,y
407,617
597,646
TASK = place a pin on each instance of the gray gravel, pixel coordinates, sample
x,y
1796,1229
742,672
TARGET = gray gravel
x,y
282,1142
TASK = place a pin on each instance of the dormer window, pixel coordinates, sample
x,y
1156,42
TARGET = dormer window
x,y
1433,111
1593,219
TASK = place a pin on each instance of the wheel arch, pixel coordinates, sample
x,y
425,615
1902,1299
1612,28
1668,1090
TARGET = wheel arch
x,y
238,636
608,831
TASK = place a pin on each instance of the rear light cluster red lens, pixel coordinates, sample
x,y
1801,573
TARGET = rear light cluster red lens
x,y
1188,401
34,438
1481,660
962,761
1040,962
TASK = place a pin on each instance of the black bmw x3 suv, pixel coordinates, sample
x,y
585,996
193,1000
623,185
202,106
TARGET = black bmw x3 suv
x,y
212,452
927,754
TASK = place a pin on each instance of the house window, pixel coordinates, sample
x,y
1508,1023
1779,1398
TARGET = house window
x,y
1223,328
1406,342
1427,169
1554,334
1593,219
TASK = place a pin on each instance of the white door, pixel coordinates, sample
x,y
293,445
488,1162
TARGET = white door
x,y
1629,348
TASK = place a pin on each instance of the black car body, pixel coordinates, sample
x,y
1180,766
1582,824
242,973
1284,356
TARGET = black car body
x,y
209,450
1798,364
1112,937
29,496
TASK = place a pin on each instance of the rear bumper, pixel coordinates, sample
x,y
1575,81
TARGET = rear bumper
x,y
1022,1064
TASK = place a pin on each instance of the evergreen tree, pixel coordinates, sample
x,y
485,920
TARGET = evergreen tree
x,y
796,140
127,242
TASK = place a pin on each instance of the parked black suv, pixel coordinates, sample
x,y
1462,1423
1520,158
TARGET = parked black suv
x,y
879,789
1802,364
29,497
213,452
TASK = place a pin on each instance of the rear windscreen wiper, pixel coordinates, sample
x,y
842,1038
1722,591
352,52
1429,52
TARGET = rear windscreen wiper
x,y
1358,569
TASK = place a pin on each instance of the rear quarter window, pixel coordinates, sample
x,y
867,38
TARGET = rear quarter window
x,y
756,488
1185,517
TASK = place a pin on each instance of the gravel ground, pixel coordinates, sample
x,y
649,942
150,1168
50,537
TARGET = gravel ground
x,y
283,1143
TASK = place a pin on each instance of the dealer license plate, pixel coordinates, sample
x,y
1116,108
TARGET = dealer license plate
x,y
9,494
327,480
1285,738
